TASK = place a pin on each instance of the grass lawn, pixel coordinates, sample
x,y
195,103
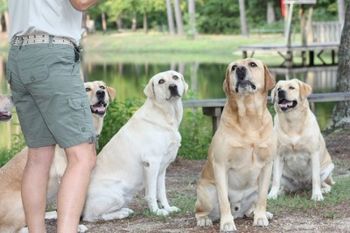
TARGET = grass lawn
x,y
138,47
302,201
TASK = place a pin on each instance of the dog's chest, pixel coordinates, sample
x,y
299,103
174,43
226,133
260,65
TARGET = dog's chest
x,y
172,142
297,163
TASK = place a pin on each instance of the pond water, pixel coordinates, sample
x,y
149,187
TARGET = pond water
x,y
205,81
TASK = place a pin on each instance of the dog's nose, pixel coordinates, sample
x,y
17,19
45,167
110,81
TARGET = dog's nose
x,y
241,72
100,94
281,94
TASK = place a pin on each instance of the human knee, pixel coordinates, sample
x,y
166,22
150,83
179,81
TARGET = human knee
x,y
40,157
83,155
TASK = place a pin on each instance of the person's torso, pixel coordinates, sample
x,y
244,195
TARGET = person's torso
x,y
55,17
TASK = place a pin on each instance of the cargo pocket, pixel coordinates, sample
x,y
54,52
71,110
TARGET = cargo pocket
x,y
35,74
80,114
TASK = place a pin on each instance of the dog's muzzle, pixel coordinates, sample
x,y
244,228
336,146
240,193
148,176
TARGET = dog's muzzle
x,y
283,103
100,95
174,92
5,115
242,82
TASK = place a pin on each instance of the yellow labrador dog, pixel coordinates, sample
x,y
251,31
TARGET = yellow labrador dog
x,y
5,108
302,159
235,179
11,209
138,155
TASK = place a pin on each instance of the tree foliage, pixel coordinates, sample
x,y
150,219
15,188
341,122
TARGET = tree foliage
x,y
212,16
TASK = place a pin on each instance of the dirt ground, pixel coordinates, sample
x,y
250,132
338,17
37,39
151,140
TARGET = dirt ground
x,y
181,181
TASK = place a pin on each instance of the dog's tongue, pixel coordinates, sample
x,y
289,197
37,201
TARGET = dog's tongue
x,y
285,103
5,114
99,108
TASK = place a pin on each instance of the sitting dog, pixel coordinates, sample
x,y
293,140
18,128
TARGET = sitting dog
x,y
302,159
235,180
5,108
139,154
12,217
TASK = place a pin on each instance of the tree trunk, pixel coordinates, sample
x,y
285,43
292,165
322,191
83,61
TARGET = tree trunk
x,y
192,18
145,23
134,23
119,23
244,26
1,29
104,22
270,13
178,18
341,112
341,11
170,16
6,16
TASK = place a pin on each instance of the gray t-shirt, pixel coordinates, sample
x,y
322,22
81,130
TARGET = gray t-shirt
x,y
55,17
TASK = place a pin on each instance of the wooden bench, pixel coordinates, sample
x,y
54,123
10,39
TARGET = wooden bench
x,y
287,52
325,36
213,107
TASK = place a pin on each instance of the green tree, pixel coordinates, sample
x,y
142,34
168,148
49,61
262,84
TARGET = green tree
x,y
3,13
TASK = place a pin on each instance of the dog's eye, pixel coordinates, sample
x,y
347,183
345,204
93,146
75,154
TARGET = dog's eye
x,y
291,88
175,77
233,67
161,81
253,64
102,87
87,89
278,89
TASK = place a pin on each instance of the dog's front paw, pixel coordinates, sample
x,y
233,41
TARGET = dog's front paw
x,y
204,222
160,212
273,194
82,228
227,224
51,215
261,220
269,215
326,188
317,196
172,209
24,230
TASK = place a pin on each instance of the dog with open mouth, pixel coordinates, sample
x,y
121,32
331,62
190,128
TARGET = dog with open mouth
x,y
302,160
235,179
5,108
12,217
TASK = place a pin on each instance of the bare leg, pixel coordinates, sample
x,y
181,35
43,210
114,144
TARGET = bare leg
x,y
72,192
34,186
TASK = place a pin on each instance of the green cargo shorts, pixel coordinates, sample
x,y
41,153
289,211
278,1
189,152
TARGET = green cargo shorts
x,y
49,95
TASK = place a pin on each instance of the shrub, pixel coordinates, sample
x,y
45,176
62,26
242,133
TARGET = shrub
x,y
196,134
7,154
195,128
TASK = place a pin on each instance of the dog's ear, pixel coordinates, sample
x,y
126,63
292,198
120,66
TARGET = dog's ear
x,y
226,84
111,92
269,79
273,93
184,83
304,89
149,89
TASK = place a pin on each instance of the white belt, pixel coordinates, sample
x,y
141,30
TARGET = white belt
x,y
40,39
